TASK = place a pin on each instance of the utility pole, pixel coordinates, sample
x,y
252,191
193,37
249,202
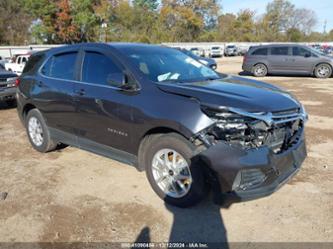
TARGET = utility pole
x,y
325,23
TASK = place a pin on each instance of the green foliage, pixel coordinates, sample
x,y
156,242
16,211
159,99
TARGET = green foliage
x,y
14,23
146,4
151,21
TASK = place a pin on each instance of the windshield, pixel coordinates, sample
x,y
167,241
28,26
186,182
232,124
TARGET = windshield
x,y
168,65
316,51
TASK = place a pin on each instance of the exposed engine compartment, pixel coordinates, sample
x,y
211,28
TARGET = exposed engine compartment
x,y
275,130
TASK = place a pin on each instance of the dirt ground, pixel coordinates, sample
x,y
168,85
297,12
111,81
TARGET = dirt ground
x,y
73,195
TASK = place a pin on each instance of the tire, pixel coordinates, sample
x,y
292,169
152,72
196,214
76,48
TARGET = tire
x,y
195,185
260,70
323,71
35,124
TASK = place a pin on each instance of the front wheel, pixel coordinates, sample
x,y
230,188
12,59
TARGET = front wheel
x,y
171,172
323,71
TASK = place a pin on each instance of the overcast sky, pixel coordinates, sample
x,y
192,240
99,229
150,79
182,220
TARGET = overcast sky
x,y
323,9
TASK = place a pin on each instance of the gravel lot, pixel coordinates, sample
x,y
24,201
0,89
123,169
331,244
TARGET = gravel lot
x,y
73,195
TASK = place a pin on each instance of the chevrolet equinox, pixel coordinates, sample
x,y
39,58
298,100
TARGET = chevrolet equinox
x,y
188,127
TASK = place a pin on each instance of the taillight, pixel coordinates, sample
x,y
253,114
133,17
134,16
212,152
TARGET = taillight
x,y
17,82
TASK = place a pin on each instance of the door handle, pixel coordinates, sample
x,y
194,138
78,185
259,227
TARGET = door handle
x,y
80,92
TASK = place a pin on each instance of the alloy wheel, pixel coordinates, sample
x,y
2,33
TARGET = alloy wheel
x,y
171,173
35,131
323,71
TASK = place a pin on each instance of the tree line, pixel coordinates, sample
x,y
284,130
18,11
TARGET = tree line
x,y
152,21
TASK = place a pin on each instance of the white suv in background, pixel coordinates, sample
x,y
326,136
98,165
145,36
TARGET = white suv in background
x,y
216,51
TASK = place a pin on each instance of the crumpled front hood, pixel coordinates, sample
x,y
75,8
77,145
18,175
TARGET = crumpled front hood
x,y
237,92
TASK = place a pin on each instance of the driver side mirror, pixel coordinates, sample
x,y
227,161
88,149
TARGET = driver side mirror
x,y
120,80
117,79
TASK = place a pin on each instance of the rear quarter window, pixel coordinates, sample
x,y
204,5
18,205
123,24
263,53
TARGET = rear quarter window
x,y
260,51
33,63
61,66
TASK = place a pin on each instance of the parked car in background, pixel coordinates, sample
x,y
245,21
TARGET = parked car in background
x,y
7,86
17,64
190,128
206,61
231,50
216,51
3,61
287,59
242,50
198,51
328,50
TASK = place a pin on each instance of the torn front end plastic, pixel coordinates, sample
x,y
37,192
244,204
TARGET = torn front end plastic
x,y
253,154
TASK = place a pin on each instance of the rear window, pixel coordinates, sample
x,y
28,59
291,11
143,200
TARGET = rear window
x,y
279,50
61,66
260,51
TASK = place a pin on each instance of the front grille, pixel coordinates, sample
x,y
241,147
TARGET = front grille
x,y
285,130
286,116
4,83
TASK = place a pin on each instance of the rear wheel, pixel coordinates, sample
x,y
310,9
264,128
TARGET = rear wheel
x,y
38,132
170,171
260,70
323,71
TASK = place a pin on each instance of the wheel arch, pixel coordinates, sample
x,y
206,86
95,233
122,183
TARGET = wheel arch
x,y
26,109
260,62
155,131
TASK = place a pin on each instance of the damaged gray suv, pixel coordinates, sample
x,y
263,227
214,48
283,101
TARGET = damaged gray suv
x,y
190,128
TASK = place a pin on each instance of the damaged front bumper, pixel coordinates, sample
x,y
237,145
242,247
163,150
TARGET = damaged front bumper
x,y
245,174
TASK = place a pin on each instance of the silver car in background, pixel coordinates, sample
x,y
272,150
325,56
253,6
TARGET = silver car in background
x,y
287,59
231,50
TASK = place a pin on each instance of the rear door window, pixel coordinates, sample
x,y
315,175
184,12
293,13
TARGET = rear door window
x,y
279,50
260,51
97,67
61,66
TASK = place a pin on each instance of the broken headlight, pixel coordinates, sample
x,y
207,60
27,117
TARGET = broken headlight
x,y
237,129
